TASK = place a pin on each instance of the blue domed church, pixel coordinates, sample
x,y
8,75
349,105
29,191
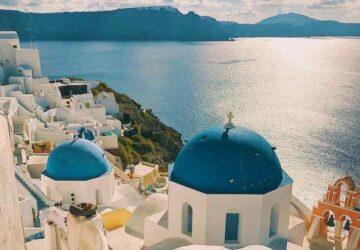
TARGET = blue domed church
x,y
78,171
227,188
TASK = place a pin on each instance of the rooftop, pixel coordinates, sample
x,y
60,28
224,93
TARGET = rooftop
x,y
230,160
8,35
77,160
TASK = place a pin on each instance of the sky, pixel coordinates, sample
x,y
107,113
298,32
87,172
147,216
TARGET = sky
x,y
242,11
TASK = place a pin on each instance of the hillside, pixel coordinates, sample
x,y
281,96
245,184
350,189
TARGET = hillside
x,y
161,24
148,23
149,140
292,25
290,18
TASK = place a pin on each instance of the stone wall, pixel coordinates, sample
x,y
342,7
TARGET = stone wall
x,y
11,230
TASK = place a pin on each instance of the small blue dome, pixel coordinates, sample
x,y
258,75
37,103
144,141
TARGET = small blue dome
x,y
238,161
77,160
85,133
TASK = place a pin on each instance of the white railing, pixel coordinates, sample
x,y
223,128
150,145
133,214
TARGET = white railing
x,y
40,195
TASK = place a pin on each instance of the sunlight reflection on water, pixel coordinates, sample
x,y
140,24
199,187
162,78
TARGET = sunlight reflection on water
x,y
301,94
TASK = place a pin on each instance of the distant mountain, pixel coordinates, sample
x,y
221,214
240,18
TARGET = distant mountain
x,y
146,23
290,18
161,23
292,25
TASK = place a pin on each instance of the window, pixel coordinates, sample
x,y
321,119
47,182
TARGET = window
x,y
98,197
232,228
187,217
72,198
274,220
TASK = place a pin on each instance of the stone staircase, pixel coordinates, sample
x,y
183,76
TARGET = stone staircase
x,y
18,129
37,236
39,200
38,113
42,200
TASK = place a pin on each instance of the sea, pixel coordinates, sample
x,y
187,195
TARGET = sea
x,y
301,94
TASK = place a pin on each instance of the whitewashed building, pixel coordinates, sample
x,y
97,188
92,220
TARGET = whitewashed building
x,y
15,61
78,171
109,102
227,188
9,42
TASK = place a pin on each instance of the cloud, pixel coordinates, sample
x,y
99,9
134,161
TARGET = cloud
x,y
34,3
329,4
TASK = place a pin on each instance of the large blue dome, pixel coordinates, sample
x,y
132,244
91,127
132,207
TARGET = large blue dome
x,y
77,160
237,161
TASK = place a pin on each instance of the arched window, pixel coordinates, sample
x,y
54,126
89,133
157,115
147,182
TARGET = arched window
x,y
346,223
274,221
232,224
187,219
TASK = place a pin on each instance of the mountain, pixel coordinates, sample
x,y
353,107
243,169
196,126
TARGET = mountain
x,y
290,18
146,23
292,25
161,23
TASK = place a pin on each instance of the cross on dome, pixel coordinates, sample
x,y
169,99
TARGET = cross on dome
x,y
230,116
229,125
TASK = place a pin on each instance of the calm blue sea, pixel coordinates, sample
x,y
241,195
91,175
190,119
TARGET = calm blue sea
x,y
303,95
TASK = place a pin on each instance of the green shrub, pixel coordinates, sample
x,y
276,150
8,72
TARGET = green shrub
x,y
95,92
129,133
137,129
137,138
126,118
147,131
149,140
156,136
136,146
143,147
124,141
124,156
164,140
147,146
147,158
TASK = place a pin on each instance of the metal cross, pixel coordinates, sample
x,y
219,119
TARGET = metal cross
x,y
230,116
229,125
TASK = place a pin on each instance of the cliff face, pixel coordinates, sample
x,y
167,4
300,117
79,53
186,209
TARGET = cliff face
x,y
149,139
151,23
161,24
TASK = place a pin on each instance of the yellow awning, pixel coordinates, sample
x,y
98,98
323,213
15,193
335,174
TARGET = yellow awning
x,y
116,218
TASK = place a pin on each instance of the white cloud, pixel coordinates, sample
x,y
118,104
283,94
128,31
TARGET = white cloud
x,y
329,4
244,11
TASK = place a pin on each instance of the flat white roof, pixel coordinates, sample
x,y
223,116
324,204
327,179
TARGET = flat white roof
x,y
25,67
37,159
8,35
119,239
143,170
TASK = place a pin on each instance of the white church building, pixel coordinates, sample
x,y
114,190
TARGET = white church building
x,y
78,171
227,188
